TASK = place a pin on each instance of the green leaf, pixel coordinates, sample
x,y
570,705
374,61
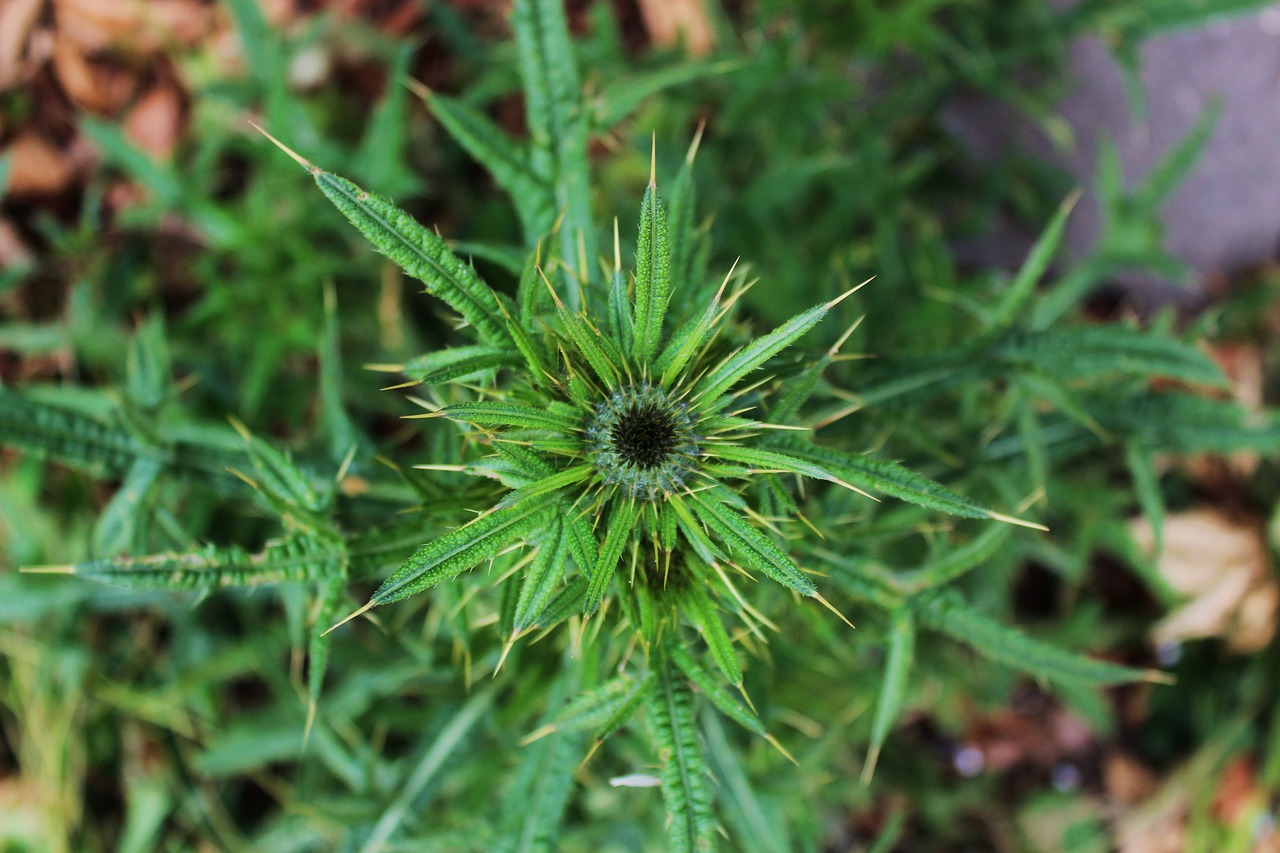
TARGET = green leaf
x,y
1100,350
52,432
539,582
1185,423
548,485
510,415
685,792
557,124
419,252
704,614
653,275
381,155
436,753
502,157
749,545
294,559
1012,648
581,539
797,391
741,362
685,344
893,688
890,478
957,561
533,807
458,363
342,433
620,96
565,603
332,592
148,366
1021,289
595,348
757,829
606,708
621,322
1146,485
618,533
115,528
453,553
769,460
702,545
714,690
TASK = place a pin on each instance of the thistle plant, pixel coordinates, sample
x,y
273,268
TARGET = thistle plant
x,y
633,457
640,455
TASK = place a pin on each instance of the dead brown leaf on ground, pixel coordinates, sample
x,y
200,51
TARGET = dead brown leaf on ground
x,y
36,167
136,26
17,18
1221,565
1010,738
101,86
671,22
1127,780
154,123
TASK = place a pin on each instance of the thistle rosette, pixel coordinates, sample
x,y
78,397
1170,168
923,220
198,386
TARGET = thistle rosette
x,y
617,440
622,442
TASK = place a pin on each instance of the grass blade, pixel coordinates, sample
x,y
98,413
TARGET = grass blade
x,y
893,689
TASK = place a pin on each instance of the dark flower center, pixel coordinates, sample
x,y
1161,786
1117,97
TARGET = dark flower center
x,y
641,439
645,435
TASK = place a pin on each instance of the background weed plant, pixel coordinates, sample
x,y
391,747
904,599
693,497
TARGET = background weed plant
x,y
618,538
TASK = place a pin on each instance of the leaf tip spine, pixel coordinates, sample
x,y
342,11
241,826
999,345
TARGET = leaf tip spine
x,y
1009,519
697,140
827,604
842,297
776,744
653,159
365,609
311,719
617,251
297,158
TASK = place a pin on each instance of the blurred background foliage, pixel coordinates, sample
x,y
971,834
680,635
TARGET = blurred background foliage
x,y
158,258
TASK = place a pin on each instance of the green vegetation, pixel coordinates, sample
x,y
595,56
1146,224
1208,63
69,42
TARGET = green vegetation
x,y
334,621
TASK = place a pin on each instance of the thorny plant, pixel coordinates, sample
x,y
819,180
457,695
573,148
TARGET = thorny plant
x,y
644,441
626,441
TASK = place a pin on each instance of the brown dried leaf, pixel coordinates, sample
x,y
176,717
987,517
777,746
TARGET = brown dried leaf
x,y
37,168
1009,738
100,87
141,26
17,17
1127,780
13,251
671,21
1222,567
1238,791
154,124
